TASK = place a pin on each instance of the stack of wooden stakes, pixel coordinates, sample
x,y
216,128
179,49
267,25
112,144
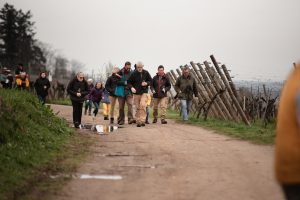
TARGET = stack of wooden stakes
x,y
218,97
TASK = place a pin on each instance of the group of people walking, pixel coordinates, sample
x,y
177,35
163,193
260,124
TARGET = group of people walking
x,y
131,87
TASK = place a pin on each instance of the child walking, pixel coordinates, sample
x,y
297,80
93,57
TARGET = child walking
x,y
96,97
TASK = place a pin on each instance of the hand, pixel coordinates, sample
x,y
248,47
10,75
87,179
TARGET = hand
x,y
45,87
87,101
133,90
125,83
144,83
78,94
163,90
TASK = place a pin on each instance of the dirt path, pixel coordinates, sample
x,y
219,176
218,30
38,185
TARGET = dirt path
x,y
173,162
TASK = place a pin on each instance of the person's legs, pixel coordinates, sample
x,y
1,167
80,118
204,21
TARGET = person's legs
x,y
96,104
85,106
184,109
121,117
155,109
147,115
106,108
137,99
75,122
163,109
189,104
143,105
292,192
112,108
129,102
80,111
90,107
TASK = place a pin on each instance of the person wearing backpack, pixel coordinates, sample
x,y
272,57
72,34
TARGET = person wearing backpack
x,y
125,95
110,86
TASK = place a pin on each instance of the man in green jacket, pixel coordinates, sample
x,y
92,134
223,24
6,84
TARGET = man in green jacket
x,y
185,87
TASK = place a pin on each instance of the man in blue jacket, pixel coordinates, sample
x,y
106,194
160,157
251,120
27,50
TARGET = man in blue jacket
x,y
125,95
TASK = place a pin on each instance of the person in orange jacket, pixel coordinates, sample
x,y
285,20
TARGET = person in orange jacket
x,y
287,143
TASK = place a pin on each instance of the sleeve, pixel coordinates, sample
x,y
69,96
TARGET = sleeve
x,y
152,88
70,88
86,89
108,85
130,81
195,88
168,84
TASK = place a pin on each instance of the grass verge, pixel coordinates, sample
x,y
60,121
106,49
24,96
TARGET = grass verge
x,y
33,143
255,133
66,102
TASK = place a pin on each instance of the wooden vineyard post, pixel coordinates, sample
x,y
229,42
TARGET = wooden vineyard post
x,y
213,91
217,112
233,97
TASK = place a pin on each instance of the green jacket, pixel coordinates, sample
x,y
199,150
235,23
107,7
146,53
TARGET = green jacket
x,y
186,87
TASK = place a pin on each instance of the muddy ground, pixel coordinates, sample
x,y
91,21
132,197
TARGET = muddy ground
x,y
173,161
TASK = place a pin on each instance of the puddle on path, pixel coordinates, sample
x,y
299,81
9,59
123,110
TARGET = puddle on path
x,y
100,128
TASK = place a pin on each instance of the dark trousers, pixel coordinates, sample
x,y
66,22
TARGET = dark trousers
x,y
42,99
77,112
129,101
292,192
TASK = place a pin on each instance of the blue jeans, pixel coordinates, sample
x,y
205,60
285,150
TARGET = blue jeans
x,y
185,108
96,104
87,105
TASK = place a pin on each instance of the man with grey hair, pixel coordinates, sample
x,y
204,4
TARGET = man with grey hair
x,y
138,83
185,87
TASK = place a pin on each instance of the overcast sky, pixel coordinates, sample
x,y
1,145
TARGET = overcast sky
x,y
256,39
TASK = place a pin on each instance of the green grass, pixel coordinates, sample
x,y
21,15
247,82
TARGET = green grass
x,y
255,133
66,102
32,140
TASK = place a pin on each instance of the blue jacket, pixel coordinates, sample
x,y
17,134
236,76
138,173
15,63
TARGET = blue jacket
x,y
122,89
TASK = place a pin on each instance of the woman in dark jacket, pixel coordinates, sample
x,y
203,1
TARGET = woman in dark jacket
x,y
96,96
110,86
41,85
77,89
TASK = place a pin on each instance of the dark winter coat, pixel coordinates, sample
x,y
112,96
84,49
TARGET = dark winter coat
x,y
76,86
41,86
96,95
111,84
160,86
186,87
136,80
90,87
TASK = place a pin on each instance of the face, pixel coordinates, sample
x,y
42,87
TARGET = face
x,y
43,75
127,67
139,68
160,71
80,77
98,85
186,73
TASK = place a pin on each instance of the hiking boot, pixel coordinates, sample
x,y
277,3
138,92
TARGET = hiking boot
x,y
85,112
154,120
111,120
105,117
121,123
131,121
143,124
146,122
139,125
163,121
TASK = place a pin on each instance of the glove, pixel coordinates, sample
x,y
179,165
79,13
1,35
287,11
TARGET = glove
x,y
133,90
